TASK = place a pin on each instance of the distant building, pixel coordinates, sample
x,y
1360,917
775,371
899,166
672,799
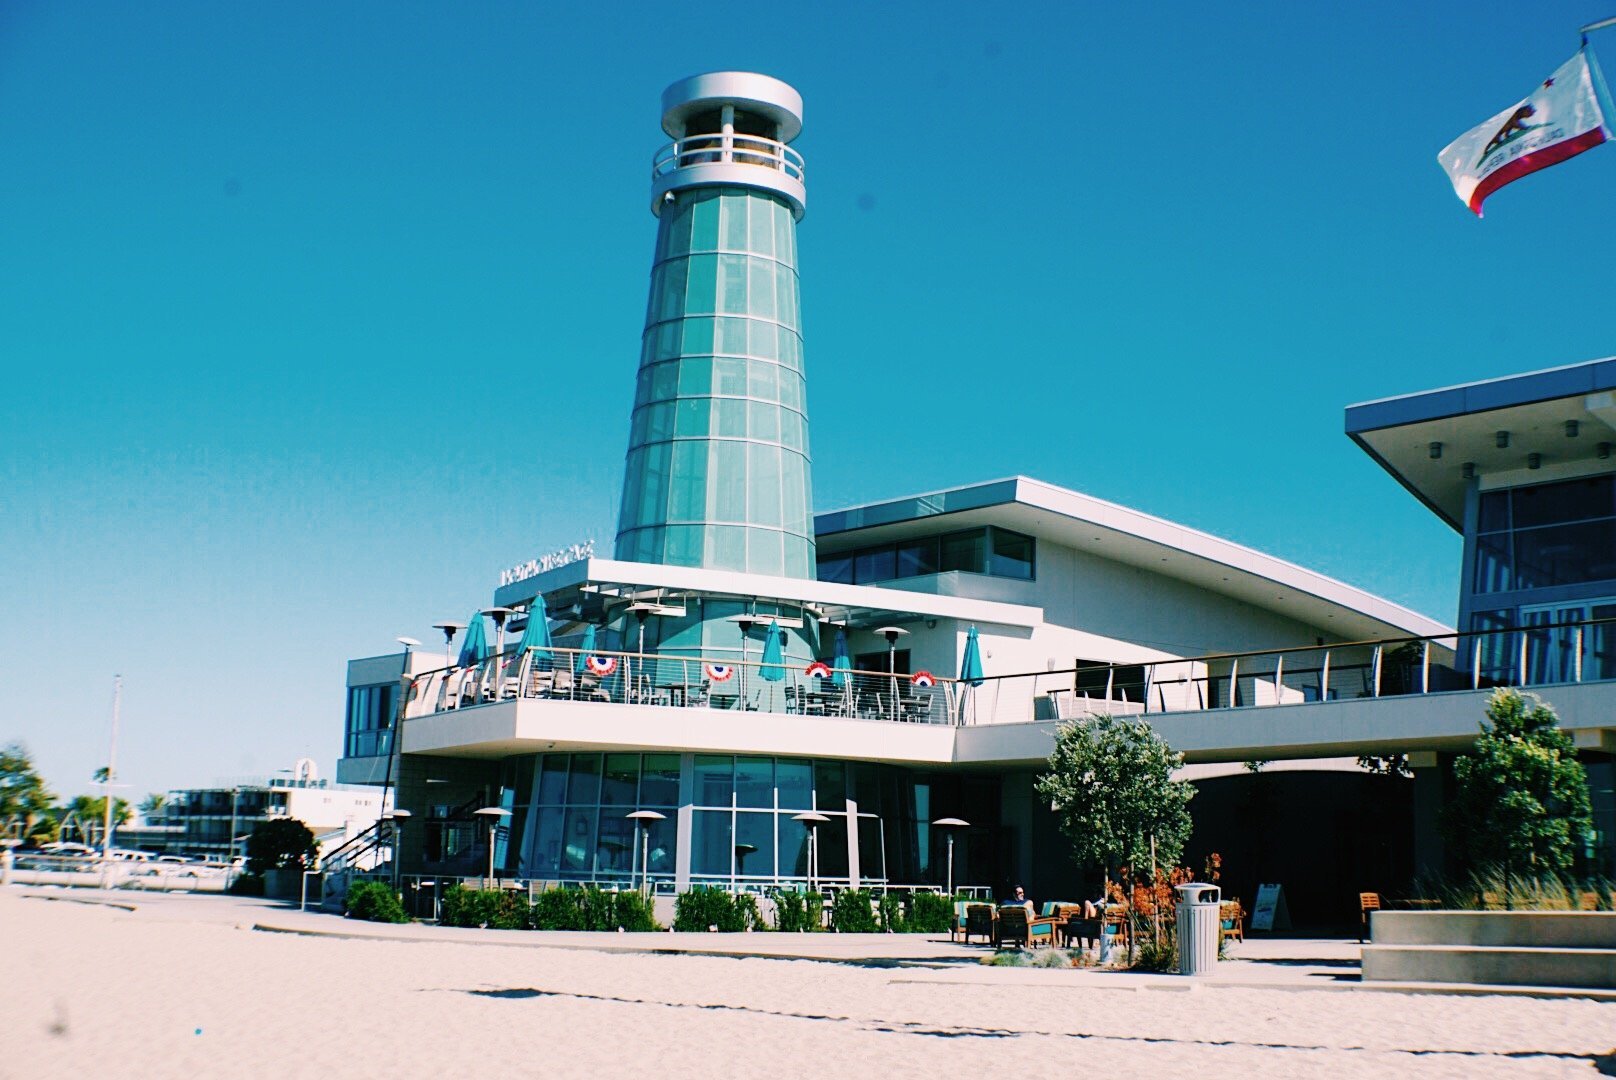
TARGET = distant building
x,y
202,821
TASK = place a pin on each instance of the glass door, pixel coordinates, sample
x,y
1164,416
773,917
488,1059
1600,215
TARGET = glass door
x,y
1551,652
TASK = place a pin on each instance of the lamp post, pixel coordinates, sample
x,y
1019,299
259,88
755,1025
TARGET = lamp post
x,y
745,623
642,820
495,815
892,634
396,820
406,684
813,819
951,823
741,852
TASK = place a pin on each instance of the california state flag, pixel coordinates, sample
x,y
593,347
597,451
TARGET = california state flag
x,y
1560,120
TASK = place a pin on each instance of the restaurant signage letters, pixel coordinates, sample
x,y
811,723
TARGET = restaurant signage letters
x,y
559,557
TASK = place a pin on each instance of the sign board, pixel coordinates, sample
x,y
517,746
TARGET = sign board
x,y
1270,912
558,558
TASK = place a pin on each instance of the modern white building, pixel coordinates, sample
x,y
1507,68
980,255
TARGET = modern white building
x,y
214,822
756,676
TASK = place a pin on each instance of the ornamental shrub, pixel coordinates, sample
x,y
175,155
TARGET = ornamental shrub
x,y
793,911
558,909
501,909
889,911
375,901
633,912
931,913
704,907
850,912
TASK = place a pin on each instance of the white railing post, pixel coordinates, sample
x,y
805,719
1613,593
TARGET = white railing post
x,y
1520,660
1110,681
1425,667
1576,653
1375,671
1475,663
1279,679
1150,679
1324,677
1234,681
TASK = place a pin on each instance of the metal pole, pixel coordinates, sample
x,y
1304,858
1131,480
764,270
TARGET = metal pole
x,y
951,863
230,852
112,767
645,860
492,827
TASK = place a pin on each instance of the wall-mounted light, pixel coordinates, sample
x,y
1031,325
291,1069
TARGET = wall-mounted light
x,y
1501,440
1604,450
1534,461
1435,450
1468,470
1572,429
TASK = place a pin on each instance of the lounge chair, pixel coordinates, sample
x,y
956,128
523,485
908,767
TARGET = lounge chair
x,y
1013,927
980,922
1232,919
1367,902
1052,916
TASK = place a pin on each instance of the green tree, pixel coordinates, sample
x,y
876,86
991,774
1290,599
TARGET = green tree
x,y
281,844
92,809
25,801
1110,780
1521,797
154,802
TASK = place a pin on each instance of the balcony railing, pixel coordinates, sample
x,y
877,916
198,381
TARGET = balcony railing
x,y
1542,655
715,149
675,681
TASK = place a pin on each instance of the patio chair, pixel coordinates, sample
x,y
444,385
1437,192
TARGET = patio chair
x,y
979,921
916,707
1367,902
791,700
1013,927
561,683
1052,916
1232,919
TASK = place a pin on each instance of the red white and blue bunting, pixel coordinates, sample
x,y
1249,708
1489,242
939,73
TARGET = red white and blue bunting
x,y
818,669
922,678
718,672
600,665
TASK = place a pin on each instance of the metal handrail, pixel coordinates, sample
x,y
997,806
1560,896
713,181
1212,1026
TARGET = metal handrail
x,y
717,148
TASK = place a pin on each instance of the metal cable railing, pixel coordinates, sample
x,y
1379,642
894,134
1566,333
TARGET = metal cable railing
x,y
717,148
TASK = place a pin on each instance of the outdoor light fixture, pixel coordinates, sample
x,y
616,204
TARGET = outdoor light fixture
x,y
397,820
1573,429
1468,470
951,823
642,820
1501,440
1534,461
450,629
1436,451
813,819
495,816
1604,450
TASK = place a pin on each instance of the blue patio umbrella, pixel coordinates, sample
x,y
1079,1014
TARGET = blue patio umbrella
x,y
474,648
840,664
536,637
971,662
773,668
970,668
585,647
774,657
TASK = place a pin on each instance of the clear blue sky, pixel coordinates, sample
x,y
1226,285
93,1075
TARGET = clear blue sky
x,y
315,316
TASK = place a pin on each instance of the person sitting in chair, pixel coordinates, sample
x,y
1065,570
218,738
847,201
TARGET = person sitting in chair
x,y
1020,900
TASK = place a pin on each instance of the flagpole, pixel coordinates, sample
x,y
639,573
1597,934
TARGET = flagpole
x,y
1600,25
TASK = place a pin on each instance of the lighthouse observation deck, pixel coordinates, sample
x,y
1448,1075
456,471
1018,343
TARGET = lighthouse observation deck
x,y
730,129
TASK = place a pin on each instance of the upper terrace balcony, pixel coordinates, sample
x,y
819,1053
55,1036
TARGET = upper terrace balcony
x,y
1383,696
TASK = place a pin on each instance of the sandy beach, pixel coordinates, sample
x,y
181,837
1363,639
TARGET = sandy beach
x,y
94,990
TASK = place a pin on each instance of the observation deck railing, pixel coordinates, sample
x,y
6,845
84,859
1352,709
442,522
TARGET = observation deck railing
x,y
686,681
716,149
1541,655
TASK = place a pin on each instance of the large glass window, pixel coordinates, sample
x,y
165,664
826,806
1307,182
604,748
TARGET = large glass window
x,y
1012,554
965,551
1546,535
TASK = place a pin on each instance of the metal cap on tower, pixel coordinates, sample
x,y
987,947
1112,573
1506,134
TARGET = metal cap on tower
x,y
730,129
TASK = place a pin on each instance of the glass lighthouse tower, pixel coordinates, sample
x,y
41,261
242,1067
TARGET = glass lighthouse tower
x,y
718,469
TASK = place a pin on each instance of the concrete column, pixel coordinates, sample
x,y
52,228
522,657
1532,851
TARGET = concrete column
x,y
1430,795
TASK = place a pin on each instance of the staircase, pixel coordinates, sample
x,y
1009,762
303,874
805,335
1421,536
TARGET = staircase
x,y
360,856
1563,949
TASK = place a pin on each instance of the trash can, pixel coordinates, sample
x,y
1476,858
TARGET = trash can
x,y
1198,928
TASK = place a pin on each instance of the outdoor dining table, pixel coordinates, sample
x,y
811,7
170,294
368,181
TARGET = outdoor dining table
x,y
678,692
832,702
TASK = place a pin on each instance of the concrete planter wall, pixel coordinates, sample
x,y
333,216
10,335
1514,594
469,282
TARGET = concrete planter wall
x,y
1574,949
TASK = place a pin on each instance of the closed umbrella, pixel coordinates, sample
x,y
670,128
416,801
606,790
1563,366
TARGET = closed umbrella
x,y
773,668
474,647
536,637
971,664
585,647
841,664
